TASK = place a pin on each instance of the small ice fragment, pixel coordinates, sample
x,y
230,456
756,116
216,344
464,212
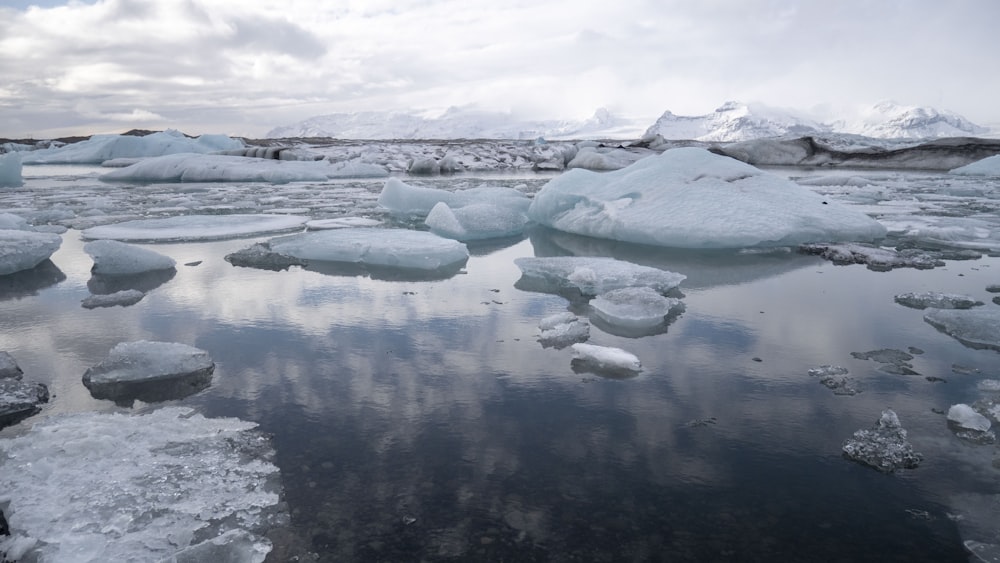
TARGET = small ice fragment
x,y
122,298
606,357
116,258
936,300
975,328
884,446
477,221
966,417
131,367
591,276
8,367
23,250
561,330
10,170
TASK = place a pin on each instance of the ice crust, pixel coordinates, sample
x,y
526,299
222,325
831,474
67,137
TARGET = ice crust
x,y
884,446
99,148
936,300
591,276
113,487
605,358
195,227
478,221
691,198
634,307
975,328
397,248
342,223
405,200
10,170
116,258
23,250
989,166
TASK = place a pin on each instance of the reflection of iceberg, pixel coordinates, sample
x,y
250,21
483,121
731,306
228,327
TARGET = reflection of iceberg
x,y
30,282
145,282
386,273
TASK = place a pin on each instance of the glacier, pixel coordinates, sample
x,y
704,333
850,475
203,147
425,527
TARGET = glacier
x,y
691,198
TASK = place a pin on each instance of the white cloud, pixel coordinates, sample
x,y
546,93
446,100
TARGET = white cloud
x,y
243,67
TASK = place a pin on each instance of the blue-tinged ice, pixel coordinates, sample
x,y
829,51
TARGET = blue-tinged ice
x,y
477,221
692,198
561,330
116,487
23,250
395,248
634,307
196,228
989,166
591,276
404,200
116,258
99,148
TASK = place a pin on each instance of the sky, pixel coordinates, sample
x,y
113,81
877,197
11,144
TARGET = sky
x,y
243,67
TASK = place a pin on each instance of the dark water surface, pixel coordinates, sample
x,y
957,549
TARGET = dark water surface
x,y
423,421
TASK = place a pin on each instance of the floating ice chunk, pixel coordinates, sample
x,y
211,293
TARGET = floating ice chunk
x,y
634,307
11,222
137,369
835,378
413,201
989,166
884,446
966,417
8,367
117,258
218,168
605,358
423,166
989,385
342,223
122,298
937,300
274,153
975,328
99,148
234,546
355,169
196,227
137,488
590,158
591,276
23,250
478,221
396,248
261,257
691,198
10,170
561,330
877,259
19,400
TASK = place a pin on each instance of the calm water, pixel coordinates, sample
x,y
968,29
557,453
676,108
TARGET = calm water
x,y
422,420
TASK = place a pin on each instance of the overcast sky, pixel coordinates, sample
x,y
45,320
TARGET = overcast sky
x,y
243,67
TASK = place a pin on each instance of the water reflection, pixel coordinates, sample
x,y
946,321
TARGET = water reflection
x,y
29,282
103,284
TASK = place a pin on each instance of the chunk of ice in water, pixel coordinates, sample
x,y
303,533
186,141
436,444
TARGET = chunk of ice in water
x,y
112,257
966,417
399,248
414,201
122,298
20,399
591,276
10,170
477,221
23,250
132,367
8,367
561,330
975,328
634,307
936,300
196,228
606,358
884,446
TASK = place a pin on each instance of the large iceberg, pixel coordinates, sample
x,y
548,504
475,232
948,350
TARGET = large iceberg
x,y
10,170
114,487
99,148
590,276
116,258
404,200
23,250
196,228
691,198
220,168
143,369
395,248
989,166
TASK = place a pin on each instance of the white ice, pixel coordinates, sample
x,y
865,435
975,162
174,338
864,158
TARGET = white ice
x,y
414,201
186,167
8,367
10,170
341,223
691,198
477,221
196,227
99,148
122,298
966,417
936,300
634,307
593,276
114,258
398,248
606,357
116,487
23,250
143,360
989,166
976,328
562,329
9,221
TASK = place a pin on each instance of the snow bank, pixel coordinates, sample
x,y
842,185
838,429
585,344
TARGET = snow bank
x,y
989,166
976,328
219,168
23,250
114,487
691,198
10,170
591,276
396,248
195,228
117,258
404,200
99,148
478,221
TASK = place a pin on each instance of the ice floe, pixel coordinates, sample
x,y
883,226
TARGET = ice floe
x,y
561,330
99,148
341,223
18,399
590,276
835,379
219,168
936,300
478,221
966,417
876,258
393,248
604,360
896,362
23,250
975,328
112,257
8,367
691,198
196,227
634,307
989,166
152,487
122,298
405,200
149,371
10,170
884,446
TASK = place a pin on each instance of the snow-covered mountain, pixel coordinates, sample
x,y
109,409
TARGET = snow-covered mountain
x,y
734,121
889,120
459,123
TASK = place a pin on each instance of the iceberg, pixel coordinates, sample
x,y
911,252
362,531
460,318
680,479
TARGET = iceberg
x,y
341,223
395,248
195,228
561,330
634,307
966,417
117,258
884,446
144,369
936,300
99,148
989,166
477,221
975,328
404,200
691,198
590,276
122,298
605,359
151,487
10,170
18,399
8,367
23,250
186,167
